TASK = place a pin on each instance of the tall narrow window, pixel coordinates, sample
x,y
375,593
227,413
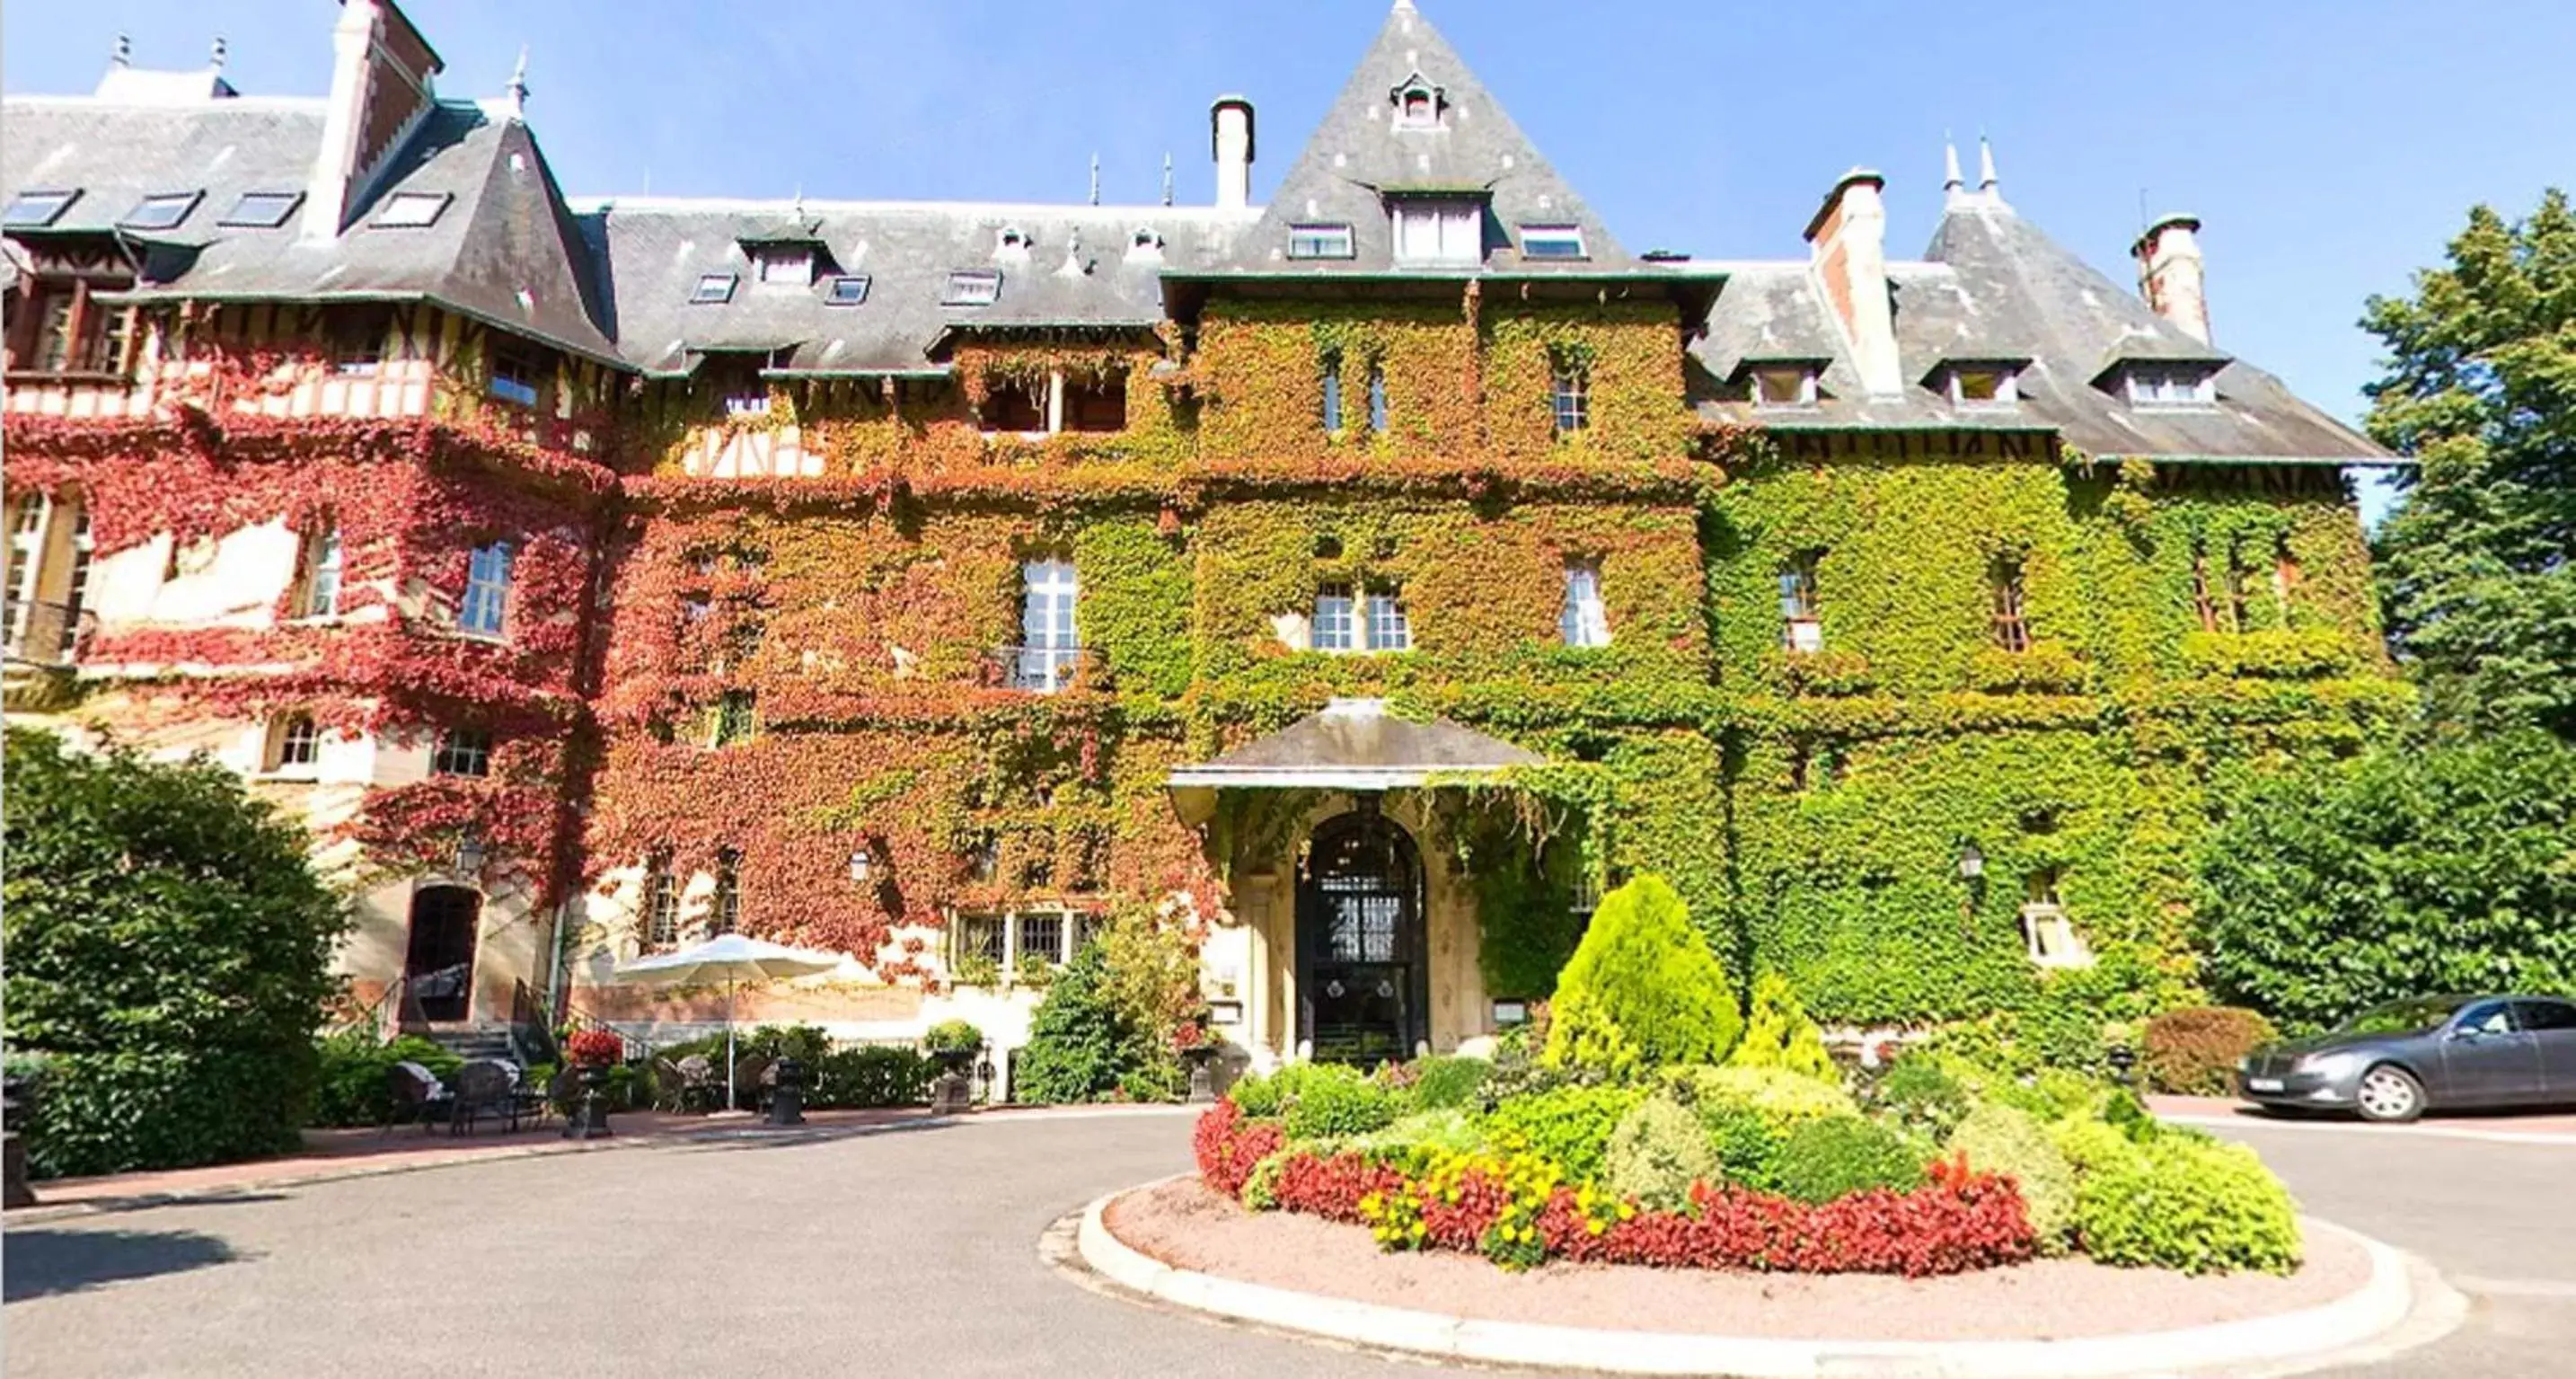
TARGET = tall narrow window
x,y
462,752
1801,627
736,715
1388,628
2202,605
1332,394
26,538
1377,397
486,609
661,906
2285,575
726,913
75,588
1050,643
1336,626
2012,631
1584,622
2237,576
294,743
321,591
1573,397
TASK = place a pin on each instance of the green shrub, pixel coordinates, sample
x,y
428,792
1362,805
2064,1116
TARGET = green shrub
x,y
97,1113
1841,1155
1748,1144
1330,1101
1643,989
2124,1112
2093,1146
952,1036
1410,1141
1569,1126
1783,1097
807,1044
1079,1046
1443,1082
1258,1095
1919,1093
1999,1139
1657,1151
1261,1187
354,1085
2194,1052
2196,1207
871,1076
1778,1034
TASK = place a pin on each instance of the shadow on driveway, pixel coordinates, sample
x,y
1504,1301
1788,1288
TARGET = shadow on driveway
x,y
45,1262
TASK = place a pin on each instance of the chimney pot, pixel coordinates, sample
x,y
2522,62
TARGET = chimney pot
x,y
1231,137
2171,274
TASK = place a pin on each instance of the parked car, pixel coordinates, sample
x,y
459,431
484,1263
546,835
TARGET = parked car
x,y
2395,1061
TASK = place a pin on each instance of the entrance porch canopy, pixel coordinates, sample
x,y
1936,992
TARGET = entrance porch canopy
x,y
1352,744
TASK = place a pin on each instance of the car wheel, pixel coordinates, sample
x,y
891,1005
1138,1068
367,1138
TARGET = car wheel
x,y
2389,1093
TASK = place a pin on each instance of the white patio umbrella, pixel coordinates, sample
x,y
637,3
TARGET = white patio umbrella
x,y
729,959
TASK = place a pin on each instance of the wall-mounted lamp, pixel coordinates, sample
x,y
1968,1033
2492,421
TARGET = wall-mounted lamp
x,y
469,855
862,866
1972,862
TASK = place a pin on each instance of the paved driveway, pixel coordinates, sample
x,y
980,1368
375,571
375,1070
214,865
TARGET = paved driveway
x,y
913,1253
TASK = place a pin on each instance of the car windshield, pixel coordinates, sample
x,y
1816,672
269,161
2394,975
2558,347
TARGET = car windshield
x,y
2400,1017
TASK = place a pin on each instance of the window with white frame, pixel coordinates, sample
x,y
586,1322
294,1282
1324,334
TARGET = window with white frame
x,y
486,609
1552,242
849,289
1050,644
462,752
783,265
1983,385
972,287
724,915
1782,386
26,546
294,744
1332,371
1571,395
1387,628
1439,231
2046,929
1377,397
661,904
1322,242
713,289
1584,622
320,594
2172,385
1336,625
1801,627
76,586
1010,946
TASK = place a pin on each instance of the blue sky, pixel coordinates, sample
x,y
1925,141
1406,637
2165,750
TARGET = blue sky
x,y
2331,146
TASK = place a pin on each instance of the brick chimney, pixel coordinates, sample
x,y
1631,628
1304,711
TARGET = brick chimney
x,y
1847,246
382,86
1230,122
2169,274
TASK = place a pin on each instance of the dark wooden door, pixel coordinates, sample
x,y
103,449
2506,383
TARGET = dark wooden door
x,y
1362,982
438,968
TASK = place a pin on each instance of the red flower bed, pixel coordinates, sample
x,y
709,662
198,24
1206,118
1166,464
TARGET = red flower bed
x,y
1332,1187
1228,1146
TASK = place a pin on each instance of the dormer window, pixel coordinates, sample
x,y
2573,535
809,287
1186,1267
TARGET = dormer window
x,y
1552,242
972,287
713,289
783,265
36,210
1983,386
162,211
1439,232
262,210
1784,387
1011,243
411,210
2171,385
1321,242
1419,104
850,289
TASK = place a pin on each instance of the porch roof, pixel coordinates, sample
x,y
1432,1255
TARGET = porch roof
x,y
1354,744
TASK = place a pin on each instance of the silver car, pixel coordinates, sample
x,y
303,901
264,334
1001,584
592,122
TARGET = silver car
x,y
2396,1061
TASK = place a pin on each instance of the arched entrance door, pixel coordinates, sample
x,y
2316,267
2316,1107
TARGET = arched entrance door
x,y
438,968
1363,982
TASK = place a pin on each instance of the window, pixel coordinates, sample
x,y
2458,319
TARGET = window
x,y
462,752
356,341
515,377
1016,405
1050,643
661,908
2167,385
2012,631
725,914
321,584
26,543
1572,397
2049,934
1097,405
76,587
1041,938
411,210
2543,1016
1438,232
2487,1017
35,210
1982,386
67,330
1777,386
1584,622
294,743
983,939
1377,397
1335,627
1387,628
1332,394
713,289
2201,602
736,716
1418,103
1552,242
485,611
160,211
972,287
1322,242
262,210
1801,627
849,289
784,265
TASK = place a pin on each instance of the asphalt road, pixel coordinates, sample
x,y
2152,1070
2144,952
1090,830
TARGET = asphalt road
x,y
914,1253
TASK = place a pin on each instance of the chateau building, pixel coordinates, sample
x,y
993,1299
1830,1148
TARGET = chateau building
x,y
1356,584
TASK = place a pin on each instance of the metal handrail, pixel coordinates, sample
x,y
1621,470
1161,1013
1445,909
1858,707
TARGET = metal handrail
x,y
45,632
1044,669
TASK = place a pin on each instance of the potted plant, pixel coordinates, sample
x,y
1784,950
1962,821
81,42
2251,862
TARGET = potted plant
x,y
1198,1047
952,1044
593,1052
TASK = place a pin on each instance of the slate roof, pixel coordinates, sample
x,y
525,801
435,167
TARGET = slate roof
x,y
1356,744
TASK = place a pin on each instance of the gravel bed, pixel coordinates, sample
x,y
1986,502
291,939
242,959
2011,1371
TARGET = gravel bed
x,y
1183,1224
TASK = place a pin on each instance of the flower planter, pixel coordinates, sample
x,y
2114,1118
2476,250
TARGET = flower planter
x,y
588,1118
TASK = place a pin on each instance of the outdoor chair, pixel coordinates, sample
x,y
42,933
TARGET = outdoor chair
x,y
418,1097
485,1090
533,1101
699,1086
747,1083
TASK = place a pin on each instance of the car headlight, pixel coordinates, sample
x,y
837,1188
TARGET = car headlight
x,y
2331,1065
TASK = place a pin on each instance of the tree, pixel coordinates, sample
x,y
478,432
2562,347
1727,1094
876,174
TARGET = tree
x,y
169,956
1643,989
2417,868
1080,1044
2478,563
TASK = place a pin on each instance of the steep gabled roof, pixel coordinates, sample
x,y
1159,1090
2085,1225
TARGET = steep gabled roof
x,y
1357,155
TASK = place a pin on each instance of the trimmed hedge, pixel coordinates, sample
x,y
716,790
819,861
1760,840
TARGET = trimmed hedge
x,y
2197,1206
94,1113
1657,1153
2001,1140
355,1083
2194,1052
1841,1155
1567,1126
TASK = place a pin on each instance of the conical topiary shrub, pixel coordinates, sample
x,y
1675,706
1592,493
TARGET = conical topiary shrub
x,y
1779,1034
1643,989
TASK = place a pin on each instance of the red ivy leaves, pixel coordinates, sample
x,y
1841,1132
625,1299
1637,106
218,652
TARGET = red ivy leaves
x,y
1228,1146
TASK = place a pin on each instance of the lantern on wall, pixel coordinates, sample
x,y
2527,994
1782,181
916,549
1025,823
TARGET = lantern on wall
x,y
1972,862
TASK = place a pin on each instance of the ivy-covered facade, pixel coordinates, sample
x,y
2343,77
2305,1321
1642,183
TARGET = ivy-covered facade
x,y
1355,585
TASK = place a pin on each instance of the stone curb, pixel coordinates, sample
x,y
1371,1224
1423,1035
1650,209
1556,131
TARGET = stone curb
x,y
2368,1312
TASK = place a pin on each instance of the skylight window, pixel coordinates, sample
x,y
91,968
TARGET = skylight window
x,y
34,210
713,289
262,210
411,210
972,287
160,211
1552,242
1321,242
846,290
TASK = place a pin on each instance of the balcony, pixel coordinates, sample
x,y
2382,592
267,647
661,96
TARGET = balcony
x,y
45,634
1043,669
